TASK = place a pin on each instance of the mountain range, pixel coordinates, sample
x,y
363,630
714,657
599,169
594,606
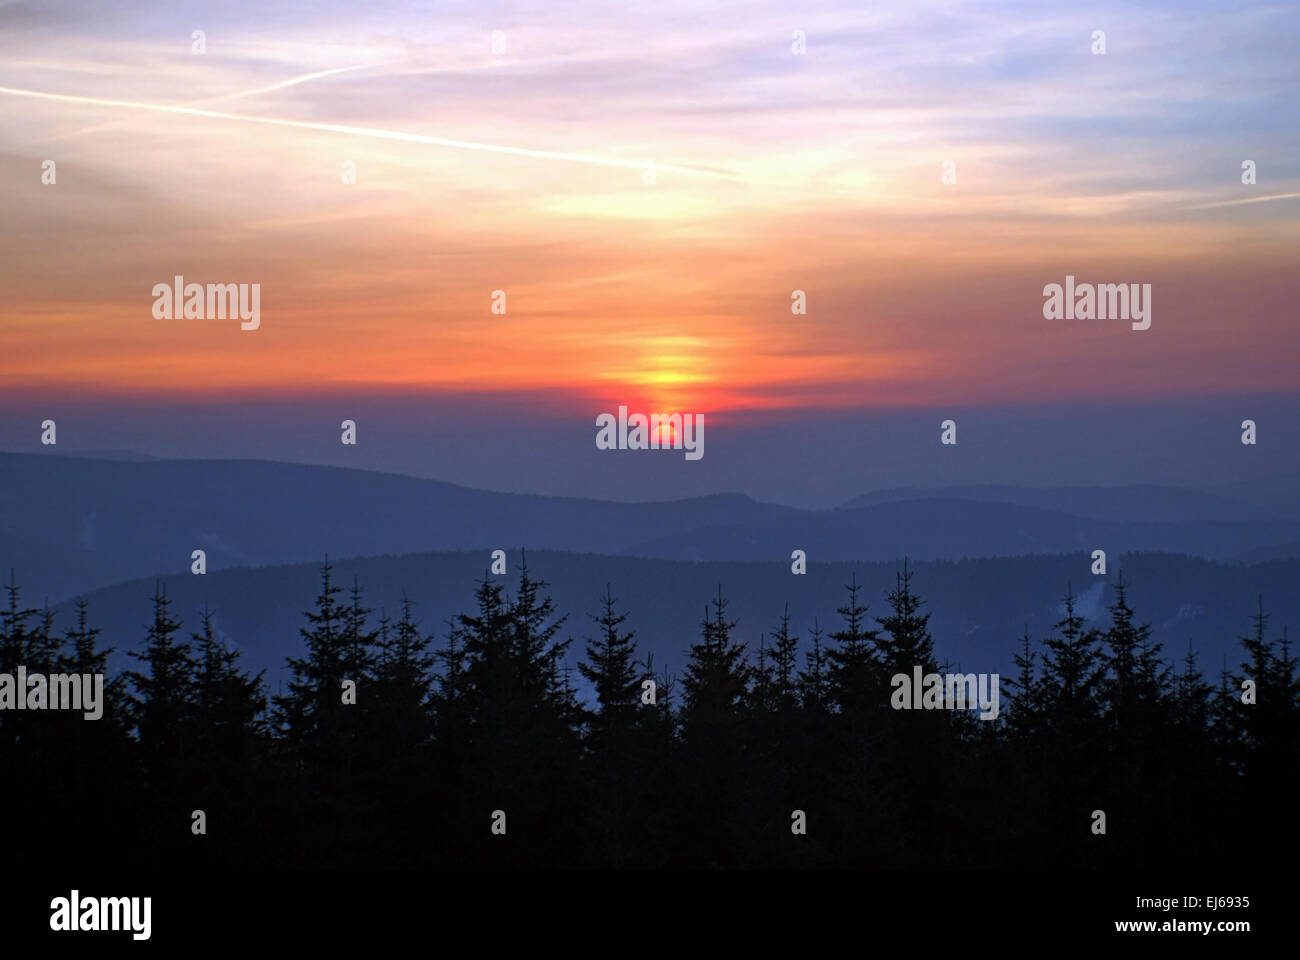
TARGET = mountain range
x,y
991,561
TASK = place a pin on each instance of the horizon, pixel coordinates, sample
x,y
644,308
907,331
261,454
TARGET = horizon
x,y
135,456
453,249
809,460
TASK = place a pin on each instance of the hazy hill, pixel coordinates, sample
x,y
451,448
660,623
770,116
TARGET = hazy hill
x,y
1147,503
951,529
75,523
1280,494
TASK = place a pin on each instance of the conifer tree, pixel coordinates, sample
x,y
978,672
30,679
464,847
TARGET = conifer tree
x,y
14,635
1223,711
611,669
1255,722
716,803
665,684
814,689
83,655
717,678
1287,684
311,714
535,651
487,660
905,642
761,698
22,644
1024,692
163,706
854,674
1192,697
93,753
1072,670
448,698
82,640
44,644
1265,729
358,642
229,702
402,679
1136,677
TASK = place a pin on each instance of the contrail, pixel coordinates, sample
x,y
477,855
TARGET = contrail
x,y
1233,203
291,82
369,132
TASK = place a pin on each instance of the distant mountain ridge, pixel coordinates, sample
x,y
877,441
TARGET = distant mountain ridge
x,y
952,529
1133,502
72,523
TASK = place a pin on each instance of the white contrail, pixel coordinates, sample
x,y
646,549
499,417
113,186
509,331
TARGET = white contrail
x,y
1233,203
291,82
367,132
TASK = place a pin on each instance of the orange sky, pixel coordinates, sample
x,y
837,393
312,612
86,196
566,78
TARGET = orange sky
x,y
671,295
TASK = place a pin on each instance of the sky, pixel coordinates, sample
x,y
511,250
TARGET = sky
x,y
524,169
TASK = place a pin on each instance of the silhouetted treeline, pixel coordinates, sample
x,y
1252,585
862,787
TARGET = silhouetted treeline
x,y
394,744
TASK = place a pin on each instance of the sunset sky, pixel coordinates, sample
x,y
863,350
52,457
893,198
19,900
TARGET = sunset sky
x,y
818,172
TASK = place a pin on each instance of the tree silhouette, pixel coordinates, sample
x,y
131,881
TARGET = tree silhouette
x,y
854,677
163,706
611,669
1092,719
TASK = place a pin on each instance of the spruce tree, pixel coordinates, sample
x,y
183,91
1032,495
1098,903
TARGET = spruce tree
x,y
311,715
814,688
1136,677
14,634
785,667
229,702
1072,670
1024,692
717,804
358,642
487,664
448,698
44,644
905,642
611,669
717,678
92,753
854,673
1255,719
1192,698
84,654
403,677
164,704
535,652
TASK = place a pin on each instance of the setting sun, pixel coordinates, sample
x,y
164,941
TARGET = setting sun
x,y
666,436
